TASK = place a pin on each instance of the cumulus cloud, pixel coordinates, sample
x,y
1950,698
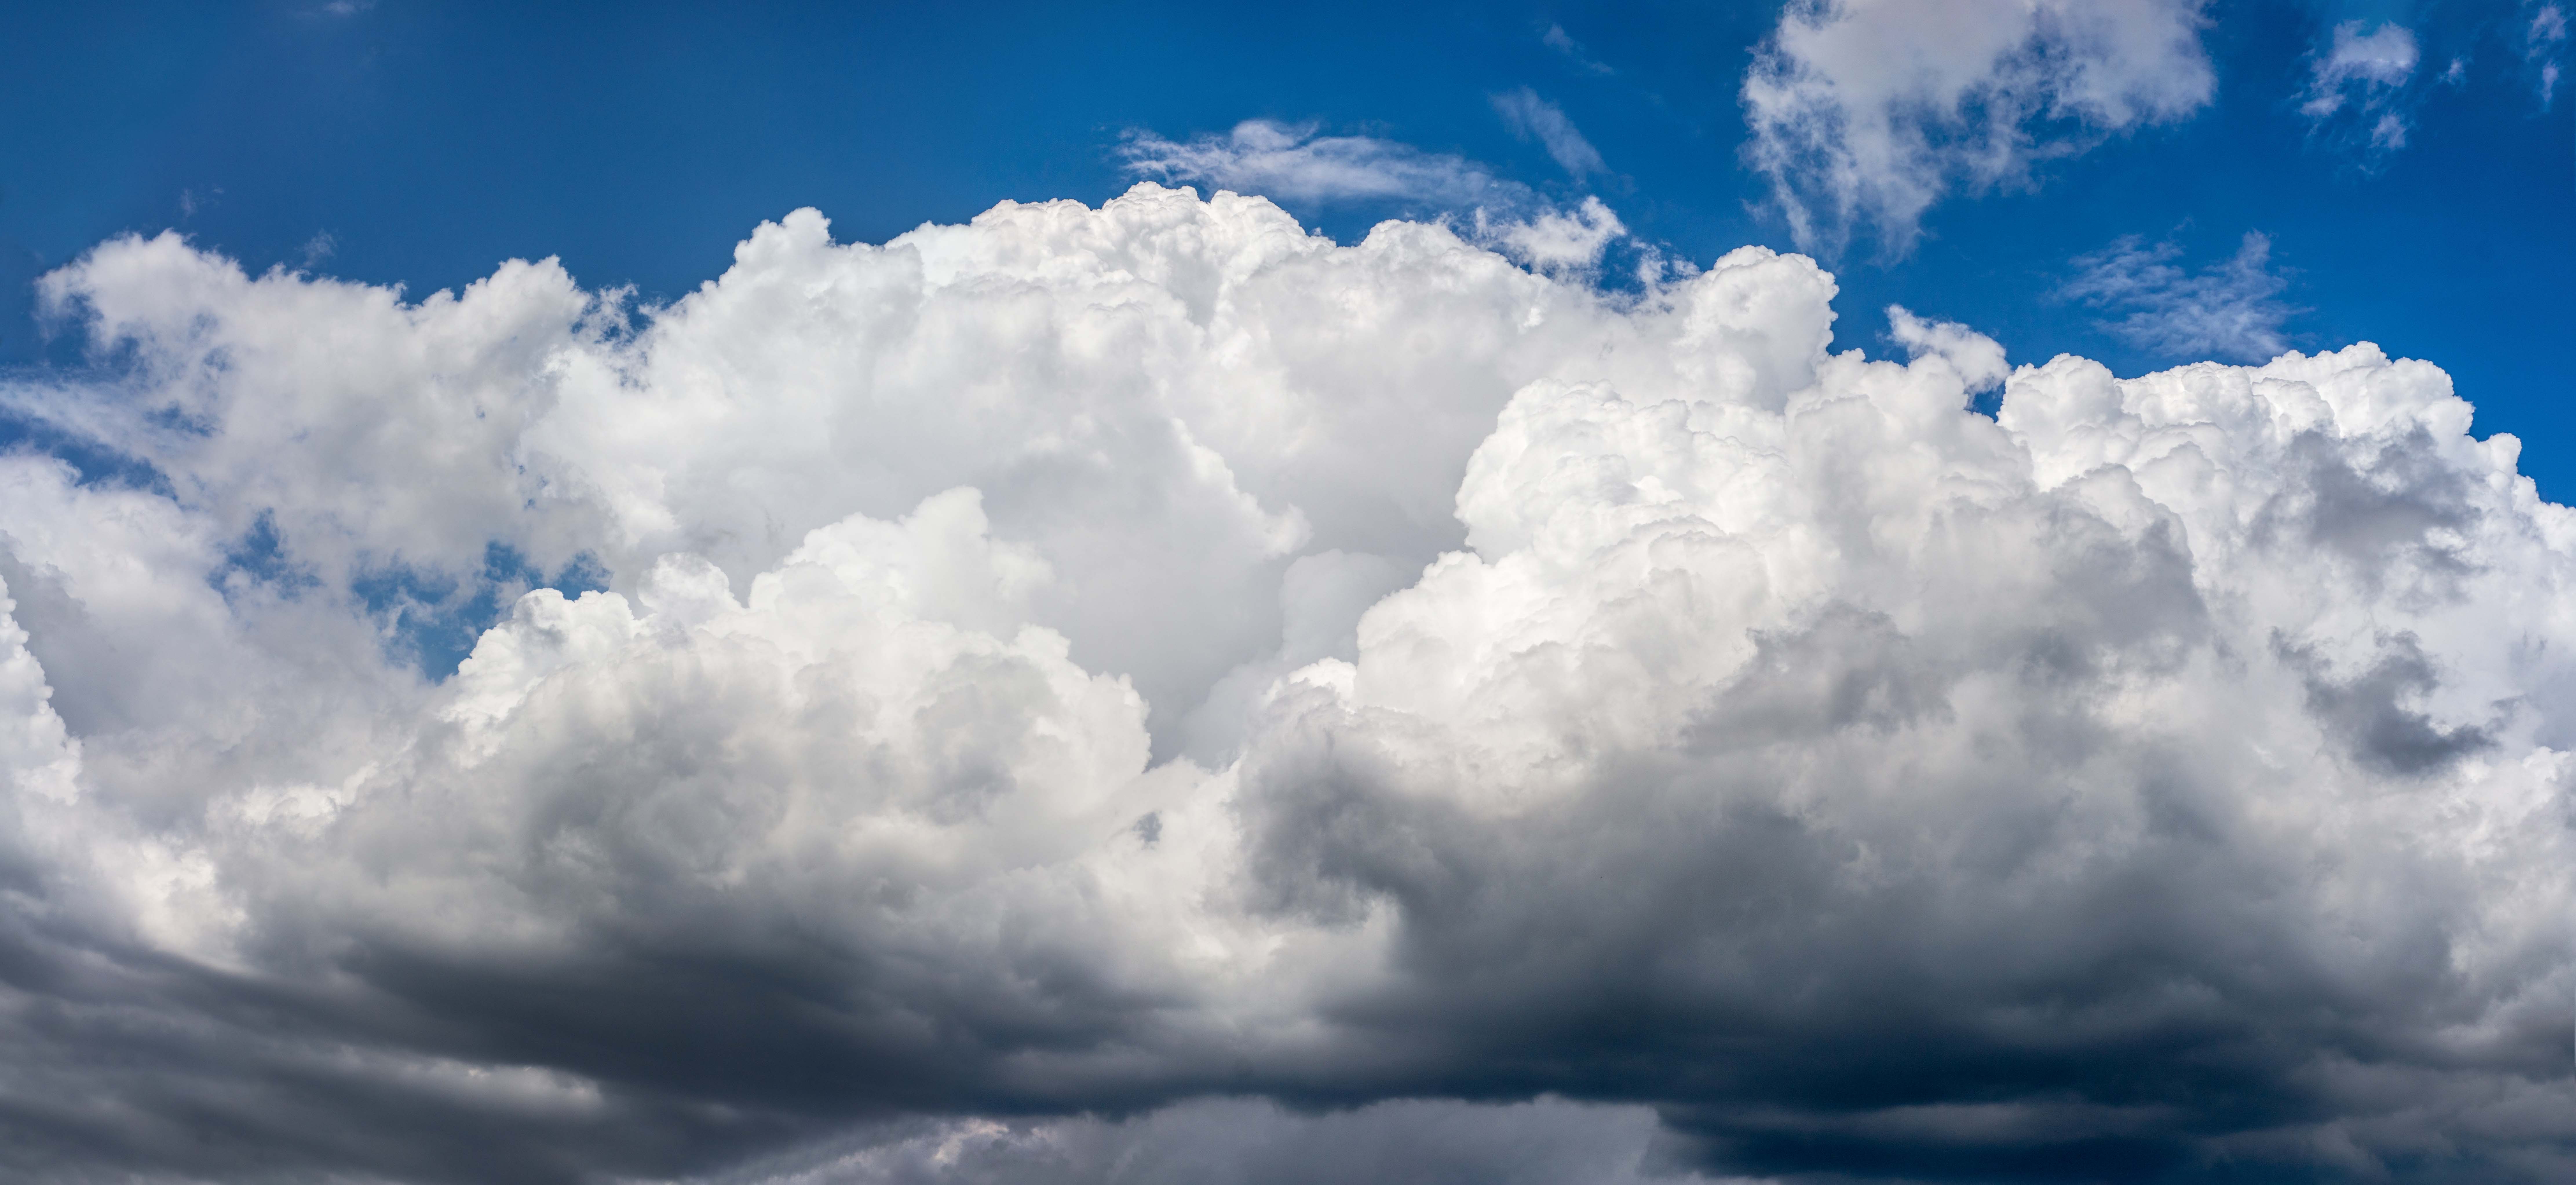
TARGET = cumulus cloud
x,y
2358,82
1533,118
1147,693
2230,309
1870,111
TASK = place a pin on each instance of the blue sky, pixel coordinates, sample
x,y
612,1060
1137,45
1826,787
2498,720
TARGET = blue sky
x,y
422,144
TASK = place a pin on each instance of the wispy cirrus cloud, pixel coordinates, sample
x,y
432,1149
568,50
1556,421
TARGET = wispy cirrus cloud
x,y
1556,38
1867,112
1296,164
2358,84
2542,40
1533,118
2230,309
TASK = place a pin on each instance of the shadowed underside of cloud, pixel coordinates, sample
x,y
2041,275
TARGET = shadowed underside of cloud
x,y
1150,694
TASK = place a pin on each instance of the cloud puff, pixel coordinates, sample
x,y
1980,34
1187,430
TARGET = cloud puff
x,y
1869,111
1148,693
2231,309
2359,79
1555,240
1978,359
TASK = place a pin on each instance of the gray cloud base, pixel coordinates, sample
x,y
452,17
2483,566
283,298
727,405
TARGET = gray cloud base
x,y
1147,693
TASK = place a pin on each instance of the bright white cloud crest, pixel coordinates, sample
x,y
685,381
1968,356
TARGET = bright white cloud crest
x,y
1088,660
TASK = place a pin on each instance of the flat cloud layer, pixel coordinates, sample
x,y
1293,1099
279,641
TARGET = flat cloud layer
x,y
1149,694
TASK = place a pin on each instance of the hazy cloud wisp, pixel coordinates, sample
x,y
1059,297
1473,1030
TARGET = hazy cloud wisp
x,y
2228,310
1867,112
2542,42
1533,118
1294,163
2359,80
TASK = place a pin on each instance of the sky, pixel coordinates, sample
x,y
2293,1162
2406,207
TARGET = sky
x,y
421,145
1888,590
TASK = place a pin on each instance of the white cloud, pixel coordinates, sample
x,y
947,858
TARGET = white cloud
x,y
1533,118
2230,310
1978,359
1089,661
2359,79
1869,111
1556,240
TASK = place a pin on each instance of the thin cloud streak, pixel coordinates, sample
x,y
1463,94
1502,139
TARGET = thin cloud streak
x,y
1294,163
2231,309
1556,38
1533,118
2541,43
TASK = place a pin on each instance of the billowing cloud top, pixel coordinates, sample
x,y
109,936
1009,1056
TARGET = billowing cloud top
x,y
1068,695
